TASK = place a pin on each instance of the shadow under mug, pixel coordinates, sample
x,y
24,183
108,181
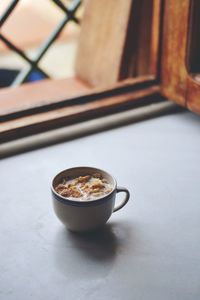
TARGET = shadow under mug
x,y
81,216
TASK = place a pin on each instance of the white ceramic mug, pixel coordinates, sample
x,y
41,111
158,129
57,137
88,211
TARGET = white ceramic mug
x,y
84,215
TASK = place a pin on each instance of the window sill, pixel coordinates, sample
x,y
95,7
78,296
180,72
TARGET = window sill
x,y
88,127
35,108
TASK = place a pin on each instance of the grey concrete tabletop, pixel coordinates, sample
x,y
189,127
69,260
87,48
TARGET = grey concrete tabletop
x,y
148,250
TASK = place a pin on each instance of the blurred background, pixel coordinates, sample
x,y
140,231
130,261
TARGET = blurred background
x,y
28,27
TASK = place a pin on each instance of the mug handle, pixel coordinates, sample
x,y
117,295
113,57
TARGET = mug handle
x,y
119,206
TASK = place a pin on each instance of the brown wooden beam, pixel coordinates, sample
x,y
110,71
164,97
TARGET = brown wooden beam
x,y
75,113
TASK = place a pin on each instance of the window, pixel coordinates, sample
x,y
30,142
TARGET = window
x,y
130,53
26,23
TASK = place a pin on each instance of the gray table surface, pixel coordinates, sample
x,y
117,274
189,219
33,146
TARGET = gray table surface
x,y
148,250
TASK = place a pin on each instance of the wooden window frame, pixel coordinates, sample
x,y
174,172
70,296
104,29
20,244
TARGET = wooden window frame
x,y
34,108
177,81
57,103
87,105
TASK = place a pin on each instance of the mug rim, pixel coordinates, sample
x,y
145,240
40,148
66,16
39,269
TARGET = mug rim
x,y
75,202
